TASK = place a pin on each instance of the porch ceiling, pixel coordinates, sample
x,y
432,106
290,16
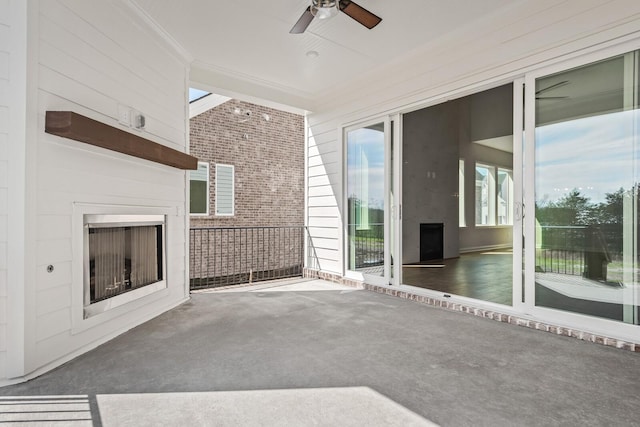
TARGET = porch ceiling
x,y
245,45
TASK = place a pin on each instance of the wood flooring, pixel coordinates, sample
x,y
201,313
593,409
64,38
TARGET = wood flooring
x,y
485,276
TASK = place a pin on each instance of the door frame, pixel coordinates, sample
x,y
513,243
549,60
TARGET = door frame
x,y
395,211
518,213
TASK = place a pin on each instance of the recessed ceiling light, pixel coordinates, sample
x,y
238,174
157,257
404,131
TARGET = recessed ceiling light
x,y
313,54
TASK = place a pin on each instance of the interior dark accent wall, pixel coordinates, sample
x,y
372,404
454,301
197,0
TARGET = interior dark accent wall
x,y
430,153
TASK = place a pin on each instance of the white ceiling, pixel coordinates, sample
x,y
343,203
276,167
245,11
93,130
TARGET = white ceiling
x,y
249,40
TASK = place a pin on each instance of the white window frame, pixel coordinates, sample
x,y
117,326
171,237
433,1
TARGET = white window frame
x,y
233,189
491,196
207,195
510,195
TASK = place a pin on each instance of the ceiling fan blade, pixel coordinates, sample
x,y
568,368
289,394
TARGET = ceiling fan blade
x,y
359,13
303,22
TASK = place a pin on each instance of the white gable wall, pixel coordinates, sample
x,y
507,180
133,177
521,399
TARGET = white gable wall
x,y
9,62
89,57
526,36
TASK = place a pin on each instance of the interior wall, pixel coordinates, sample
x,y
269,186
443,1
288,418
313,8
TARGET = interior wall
x,y
430,177
91,57
434,139
487,115
472,237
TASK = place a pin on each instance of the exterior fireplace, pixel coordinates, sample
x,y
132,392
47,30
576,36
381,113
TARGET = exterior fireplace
x,y
123,259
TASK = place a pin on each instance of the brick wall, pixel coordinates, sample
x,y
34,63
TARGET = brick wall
x,y
268,156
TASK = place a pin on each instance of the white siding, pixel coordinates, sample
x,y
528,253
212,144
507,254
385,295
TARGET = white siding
x,y
323,197
5,55
91,57
493,51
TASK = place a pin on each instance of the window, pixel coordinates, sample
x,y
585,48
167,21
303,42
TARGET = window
x,y
461,215
494,195
505,197
224,190
199,190
485,195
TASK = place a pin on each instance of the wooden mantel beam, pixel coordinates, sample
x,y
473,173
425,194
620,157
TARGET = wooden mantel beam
x,y
68,124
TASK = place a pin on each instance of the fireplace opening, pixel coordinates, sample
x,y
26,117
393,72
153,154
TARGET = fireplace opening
x,y
122,254
431,241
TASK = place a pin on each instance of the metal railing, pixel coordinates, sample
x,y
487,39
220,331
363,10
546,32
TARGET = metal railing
x,y
562,250
367,244
222,256
576,250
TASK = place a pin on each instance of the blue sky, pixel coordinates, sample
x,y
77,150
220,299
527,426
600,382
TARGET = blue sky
x,y
196,94
371,142
595,155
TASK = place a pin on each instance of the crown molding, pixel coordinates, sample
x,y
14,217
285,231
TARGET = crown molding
x,y
155,28
249,88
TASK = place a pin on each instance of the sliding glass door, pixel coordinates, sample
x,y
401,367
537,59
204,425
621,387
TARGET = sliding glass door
x,y
582,234
369,201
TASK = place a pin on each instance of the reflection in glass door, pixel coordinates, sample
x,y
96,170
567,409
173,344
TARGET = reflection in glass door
x,y
365,147
587,145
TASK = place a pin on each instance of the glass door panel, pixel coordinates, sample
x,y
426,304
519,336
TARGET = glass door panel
x,y
366,199
586,190
459,190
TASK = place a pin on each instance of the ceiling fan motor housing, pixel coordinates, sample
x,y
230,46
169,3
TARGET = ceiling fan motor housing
x,y
323,9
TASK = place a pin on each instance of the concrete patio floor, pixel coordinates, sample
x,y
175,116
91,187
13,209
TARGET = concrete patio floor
x,y
315,353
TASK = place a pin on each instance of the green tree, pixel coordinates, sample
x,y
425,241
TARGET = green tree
x,y
570,209
612,211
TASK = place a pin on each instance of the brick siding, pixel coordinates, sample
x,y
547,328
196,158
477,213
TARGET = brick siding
x,y
269,163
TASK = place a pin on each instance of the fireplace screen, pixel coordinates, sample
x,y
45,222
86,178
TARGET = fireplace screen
x,y
122,257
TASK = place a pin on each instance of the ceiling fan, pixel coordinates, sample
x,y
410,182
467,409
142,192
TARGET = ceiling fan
x,y
323,9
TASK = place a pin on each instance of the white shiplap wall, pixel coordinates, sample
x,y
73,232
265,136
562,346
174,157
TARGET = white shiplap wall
x,y
324,165
524,36
5,55
89,58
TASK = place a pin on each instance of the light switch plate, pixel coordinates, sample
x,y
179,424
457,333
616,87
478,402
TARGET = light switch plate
x,y
124,115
